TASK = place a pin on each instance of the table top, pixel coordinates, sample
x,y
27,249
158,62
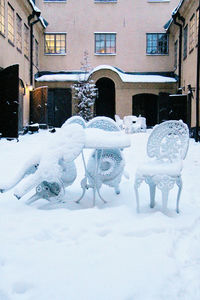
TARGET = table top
x,y
100,139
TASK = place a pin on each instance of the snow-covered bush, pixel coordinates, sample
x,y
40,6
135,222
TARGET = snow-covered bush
x,y
85,92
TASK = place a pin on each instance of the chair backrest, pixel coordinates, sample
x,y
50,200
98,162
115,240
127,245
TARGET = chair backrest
x,y
75,119
169,141
104,123
142,121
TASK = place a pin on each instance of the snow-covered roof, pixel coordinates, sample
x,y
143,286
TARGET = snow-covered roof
x,y
174,12
125,77
36,9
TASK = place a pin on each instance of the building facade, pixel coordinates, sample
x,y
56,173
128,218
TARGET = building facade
x,y
183,31
16,17
132,47
127,46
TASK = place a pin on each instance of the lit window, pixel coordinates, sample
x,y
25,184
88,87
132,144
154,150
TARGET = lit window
x,y
26,41
36,53
2,16
19,33
105,43
55,43
10,24
185,35
157,43
192,33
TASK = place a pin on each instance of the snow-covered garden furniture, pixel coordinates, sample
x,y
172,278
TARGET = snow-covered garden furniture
x,y
119,121
106,163
53,169
75,119
167,147
133,124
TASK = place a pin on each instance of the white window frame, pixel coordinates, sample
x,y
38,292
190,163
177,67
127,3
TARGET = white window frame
x,y
2,17
105,33
55,33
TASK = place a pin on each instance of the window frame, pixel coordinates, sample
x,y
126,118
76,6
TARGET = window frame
x,y
55,34
26,41
19,33
157,44
51,1
192,33
175,54
2,18
36,53
106,34
185,42
11,17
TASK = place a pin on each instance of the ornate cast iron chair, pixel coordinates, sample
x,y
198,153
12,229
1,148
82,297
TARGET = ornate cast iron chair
x,y
105,166
168,145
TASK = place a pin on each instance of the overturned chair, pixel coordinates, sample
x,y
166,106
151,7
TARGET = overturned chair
x,y
167,146
105,166
51,171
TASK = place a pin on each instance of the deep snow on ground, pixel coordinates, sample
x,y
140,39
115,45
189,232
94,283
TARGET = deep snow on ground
x,y
106,252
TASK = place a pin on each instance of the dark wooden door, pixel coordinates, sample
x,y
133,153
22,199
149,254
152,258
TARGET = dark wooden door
x,y
9,96
105,102
59,106
180,108
38,105
21,105
163,107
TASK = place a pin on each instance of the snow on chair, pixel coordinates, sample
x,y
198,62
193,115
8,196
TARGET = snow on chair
x,y
75,119
119,121
55,165
167,146
129,121
110,161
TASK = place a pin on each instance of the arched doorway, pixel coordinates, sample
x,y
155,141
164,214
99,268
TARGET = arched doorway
x,y
105,102
146,105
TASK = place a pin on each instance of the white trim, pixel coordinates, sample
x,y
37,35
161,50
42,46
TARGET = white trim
x,y
104,32
55,32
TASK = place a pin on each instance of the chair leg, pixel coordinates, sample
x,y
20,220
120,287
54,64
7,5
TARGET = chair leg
x,y
179,184
165,193
152,189
137,197
117,190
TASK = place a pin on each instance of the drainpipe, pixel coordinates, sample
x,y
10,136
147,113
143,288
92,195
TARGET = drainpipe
x,y
180,42
197,83
31,24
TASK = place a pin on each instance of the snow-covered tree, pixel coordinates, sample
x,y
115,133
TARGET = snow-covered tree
x,y
85,91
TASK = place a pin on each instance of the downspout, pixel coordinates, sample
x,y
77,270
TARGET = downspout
x,y
180,43
31,24
197,82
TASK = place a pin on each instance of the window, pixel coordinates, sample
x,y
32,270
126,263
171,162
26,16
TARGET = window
x,y
185,35
105,43
26,41
19,33
36,53
2,16
55,43
192,34
10,24
175,54
157,43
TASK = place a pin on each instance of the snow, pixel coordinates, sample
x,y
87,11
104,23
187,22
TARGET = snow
x,y
103,252
123,76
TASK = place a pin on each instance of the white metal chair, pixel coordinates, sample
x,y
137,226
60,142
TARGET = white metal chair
x,y
129,121
109,162
167,146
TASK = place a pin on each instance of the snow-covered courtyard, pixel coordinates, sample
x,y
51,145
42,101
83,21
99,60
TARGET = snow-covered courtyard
x,y
106,252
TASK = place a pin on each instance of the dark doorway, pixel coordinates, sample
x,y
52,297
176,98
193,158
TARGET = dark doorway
x,y
9,96
105,102
146,105
59,106
180,108
38,105
21,105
